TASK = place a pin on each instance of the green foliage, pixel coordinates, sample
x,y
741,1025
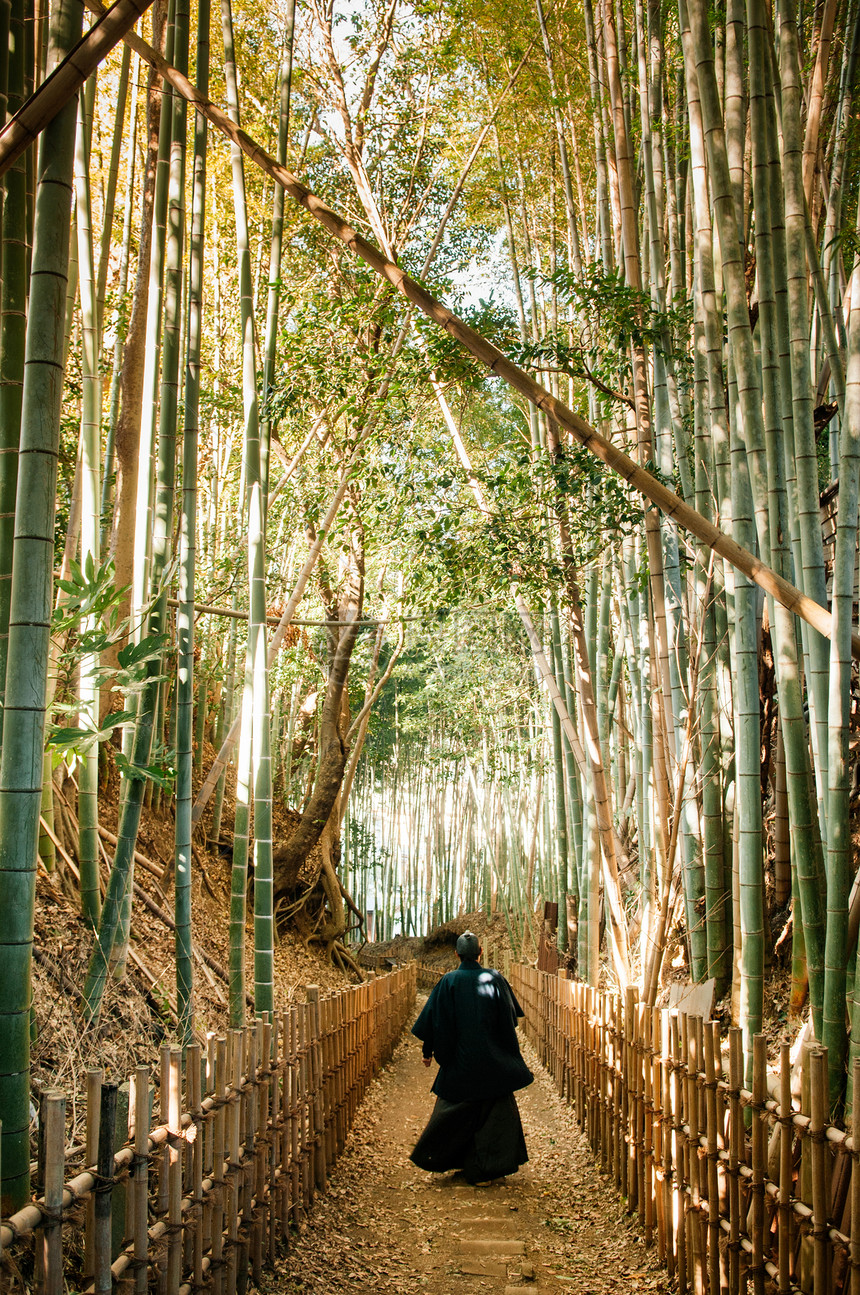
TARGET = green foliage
x,y
609,318
161,770
88,623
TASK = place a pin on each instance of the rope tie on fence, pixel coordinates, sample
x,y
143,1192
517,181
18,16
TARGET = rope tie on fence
x,y
104,1183
52,1217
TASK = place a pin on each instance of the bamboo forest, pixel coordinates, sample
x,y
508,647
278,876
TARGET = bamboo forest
x,y
429,486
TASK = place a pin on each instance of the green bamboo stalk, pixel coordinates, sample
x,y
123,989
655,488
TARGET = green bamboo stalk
x,y
275,249
122,288
13,324
142,582
804,456
187,551
256,674
30,615
112,182
113,933
90,455
839,845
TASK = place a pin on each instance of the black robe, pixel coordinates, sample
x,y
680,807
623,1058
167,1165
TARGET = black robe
x,y
469,1024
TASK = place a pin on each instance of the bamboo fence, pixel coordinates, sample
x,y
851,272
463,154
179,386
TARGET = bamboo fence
x,y
248,1128
429,977
741,1190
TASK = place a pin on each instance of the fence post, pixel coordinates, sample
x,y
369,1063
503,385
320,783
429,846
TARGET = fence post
x,y
736,1136
819,1093
91,1151
711,1046
173,1156
786,1130
104,1187
194,1161
54,1135
140,1179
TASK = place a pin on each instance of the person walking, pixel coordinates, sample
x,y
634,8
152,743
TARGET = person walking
x,y
469,1025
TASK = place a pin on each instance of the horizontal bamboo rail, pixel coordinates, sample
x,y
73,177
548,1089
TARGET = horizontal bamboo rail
x,y
739,1190
249,1128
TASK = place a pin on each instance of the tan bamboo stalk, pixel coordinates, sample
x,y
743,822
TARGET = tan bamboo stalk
x,y
65,81
651,971
815,104
642,406
641,480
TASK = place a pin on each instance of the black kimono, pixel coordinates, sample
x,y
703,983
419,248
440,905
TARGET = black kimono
x,y
469,1024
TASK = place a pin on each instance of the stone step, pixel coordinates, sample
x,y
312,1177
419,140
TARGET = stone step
x,y
493,1247
483,1267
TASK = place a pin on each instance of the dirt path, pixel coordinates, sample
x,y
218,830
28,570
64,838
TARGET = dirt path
x,y
386,1226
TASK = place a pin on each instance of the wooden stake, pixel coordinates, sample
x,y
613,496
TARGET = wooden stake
x,y
103,1284
140,1177
54,1111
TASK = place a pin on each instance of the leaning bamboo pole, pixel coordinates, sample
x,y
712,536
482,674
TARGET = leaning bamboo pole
x,y
67,78
644,482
